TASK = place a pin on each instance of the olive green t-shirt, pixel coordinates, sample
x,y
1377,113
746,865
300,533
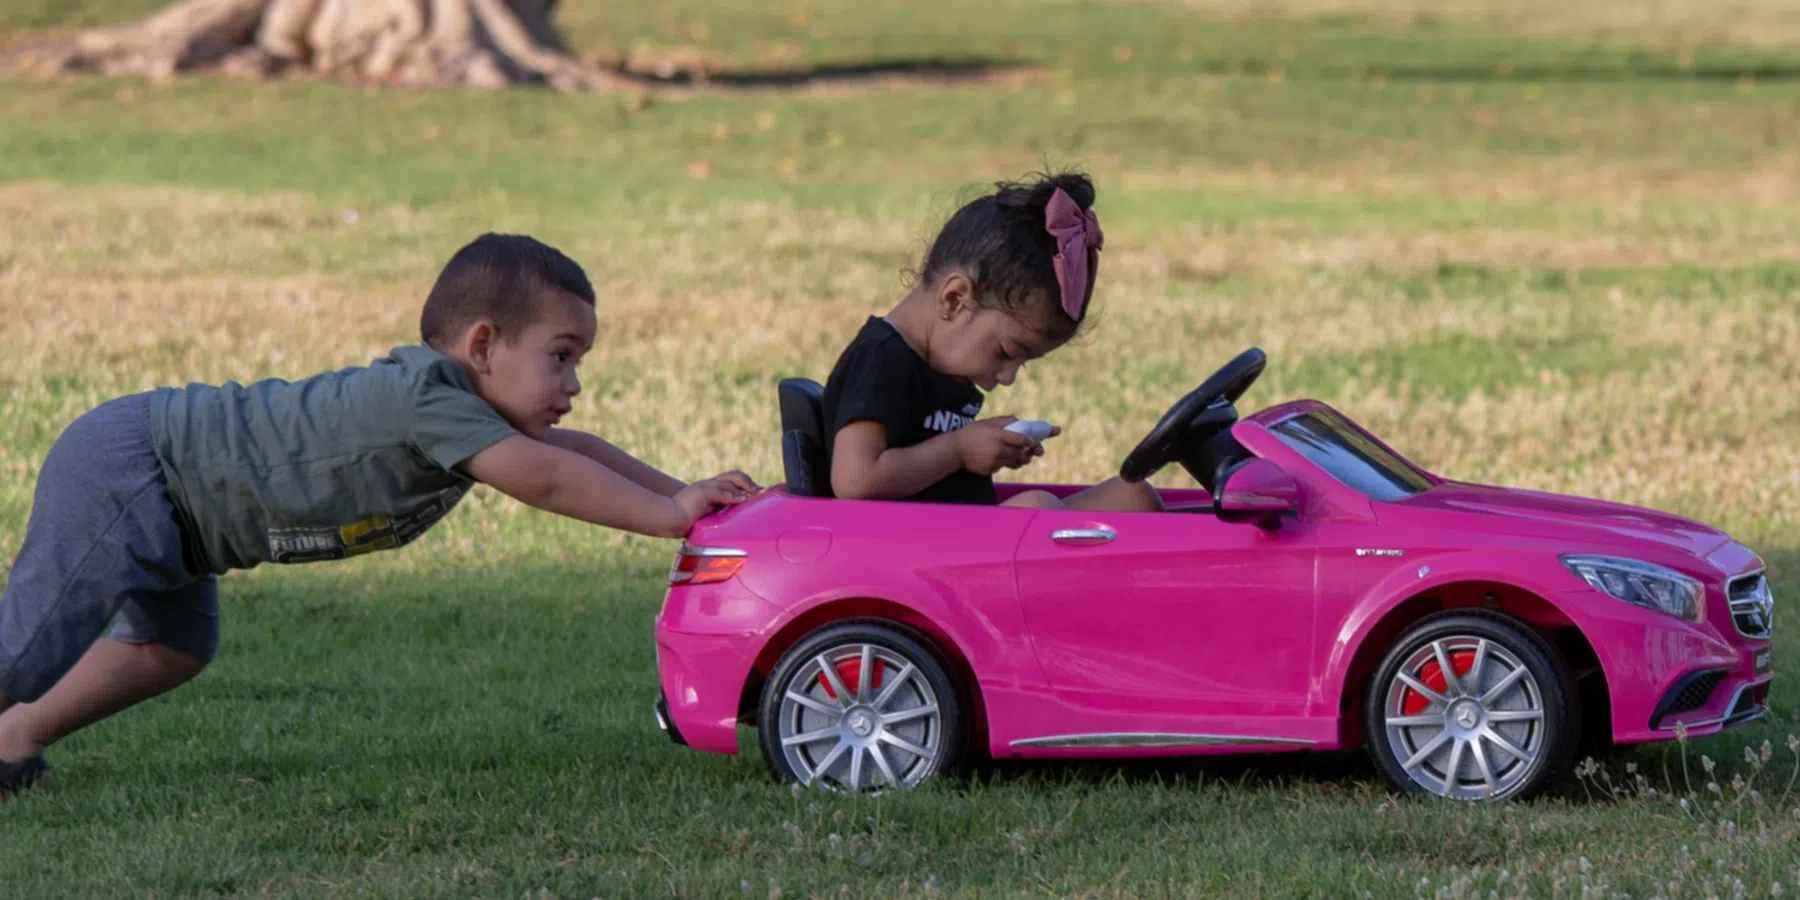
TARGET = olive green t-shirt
x,y
332,466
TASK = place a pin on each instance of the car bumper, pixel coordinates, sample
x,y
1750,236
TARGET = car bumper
x,y
1667,678
664,722
701,679
707,638
1708,699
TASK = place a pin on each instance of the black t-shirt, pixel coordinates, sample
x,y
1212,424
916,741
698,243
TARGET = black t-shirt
x,y
880,377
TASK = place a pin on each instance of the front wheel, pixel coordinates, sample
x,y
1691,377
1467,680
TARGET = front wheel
x,y
860,706
1471,706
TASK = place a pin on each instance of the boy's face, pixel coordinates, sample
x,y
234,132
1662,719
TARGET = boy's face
x,y
530,377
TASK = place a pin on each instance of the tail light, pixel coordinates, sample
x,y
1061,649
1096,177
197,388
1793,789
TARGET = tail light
x,y
705,565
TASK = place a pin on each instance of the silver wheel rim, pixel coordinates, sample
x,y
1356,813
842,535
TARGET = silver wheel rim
x,y
881,730
1481,736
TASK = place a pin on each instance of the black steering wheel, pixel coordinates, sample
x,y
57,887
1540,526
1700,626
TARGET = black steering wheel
x,y
1195,419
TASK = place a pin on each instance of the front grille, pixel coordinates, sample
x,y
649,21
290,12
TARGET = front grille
x,y
1752,605
1687,695
1694,694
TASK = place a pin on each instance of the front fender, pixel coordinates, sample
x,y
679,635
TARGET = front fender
x,y
1545,579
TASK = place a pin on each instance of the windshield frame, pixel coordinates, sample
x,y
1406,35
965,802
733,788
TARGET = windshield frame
x,y
1389,477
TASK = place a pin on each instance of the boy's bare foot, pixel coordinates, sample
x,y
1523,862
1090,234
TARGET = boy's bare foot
x,y
18,777
13,747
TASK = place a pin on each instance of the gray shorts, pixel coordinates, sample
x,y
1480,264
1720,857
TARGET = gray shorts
x,y
102,546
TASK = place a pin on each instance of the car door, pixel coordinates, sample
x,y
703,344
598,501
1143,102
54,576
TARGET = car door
x,y
1172,612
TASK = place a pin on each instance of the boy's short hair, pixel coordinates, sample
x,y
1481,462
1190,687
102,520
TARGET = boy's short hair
x,y
500,277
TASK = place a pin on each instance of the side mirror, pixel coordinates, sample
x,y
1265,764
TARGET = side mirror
x,y
1258,492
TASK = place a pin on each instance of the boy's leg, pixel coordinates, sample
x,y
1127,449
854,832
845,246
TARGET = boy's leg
x,y
160,643
1118,495
101,533
111,677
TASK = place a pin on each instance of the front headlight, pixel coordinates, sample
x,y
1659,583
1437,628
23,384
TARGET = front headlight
x,y
1641,583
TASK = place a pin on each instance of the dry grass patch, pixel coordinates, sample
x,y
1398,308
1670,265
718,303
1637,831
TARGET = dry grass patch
x,y
1768,181
1666,400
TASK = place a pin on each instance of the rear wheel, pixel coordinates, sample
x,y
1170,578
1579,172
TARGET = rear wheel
x,y
1472,706
861,705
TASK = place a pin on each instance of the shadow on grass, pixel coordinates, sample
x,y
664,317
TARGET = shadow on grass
x,y
1347,770
1636,70
924,70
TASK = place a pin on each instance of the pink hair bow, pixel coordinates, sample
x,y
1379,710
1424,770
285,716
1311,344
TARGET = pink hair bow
x,y
1078,240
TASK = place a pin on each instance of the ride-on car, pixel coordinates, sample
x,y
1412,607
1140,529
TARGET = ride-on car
x,y
1318,591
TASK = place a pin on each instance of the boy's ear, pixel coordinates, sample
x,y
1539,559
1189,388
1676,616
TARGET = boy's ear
x,y
478,344
955,294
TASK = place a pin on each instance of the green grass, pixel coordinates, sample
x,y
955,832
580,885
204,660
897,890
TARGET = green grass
x,y
1551,250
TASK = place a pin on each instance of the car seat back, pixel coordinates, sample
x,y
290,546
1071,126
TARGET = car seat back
x,y
803,458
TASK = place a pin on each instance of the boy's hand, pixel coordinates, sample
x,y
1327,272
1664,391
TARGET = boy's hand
x,y
704,496
986,446
743,482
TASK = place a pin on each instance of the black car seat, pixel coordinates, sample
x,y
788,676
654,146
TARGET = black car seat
x,y
803,452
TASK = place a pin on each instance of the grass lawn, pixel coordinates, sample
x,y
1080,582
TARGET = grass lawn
x,y
1533,243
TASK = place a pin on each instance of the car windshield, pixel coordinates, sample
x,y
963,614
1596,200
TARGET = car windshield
x,y
1351,456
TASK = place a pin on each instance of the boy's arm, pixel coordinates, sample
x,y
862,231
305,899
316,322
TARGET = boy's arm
x,y
570,484
605,453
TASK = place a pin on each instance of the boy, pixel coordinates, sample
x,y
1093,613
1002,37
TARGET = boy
x,y
145,500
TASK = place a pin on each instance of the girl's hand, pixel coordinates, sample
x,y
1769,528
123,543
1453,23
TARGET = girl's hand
x,y
986,446
1037,447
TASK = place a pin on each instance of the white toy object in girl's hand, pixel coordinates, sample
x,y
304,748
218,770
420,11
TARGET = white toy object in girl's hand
x,y
1032,428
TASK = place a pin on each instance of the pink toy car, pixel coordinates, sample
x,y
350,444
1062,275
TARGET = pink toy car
x,y
1318,592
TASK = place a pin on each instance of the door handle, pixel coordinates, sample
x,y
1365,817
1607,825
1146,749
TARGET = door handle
x,y
1083,536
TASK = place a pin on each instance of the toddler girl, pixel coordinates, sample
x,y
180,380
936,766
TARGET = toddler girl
x,y
1008,280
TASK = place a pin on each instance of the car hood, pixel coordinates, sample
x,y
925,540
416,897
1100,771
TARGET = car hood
x,y
1541,513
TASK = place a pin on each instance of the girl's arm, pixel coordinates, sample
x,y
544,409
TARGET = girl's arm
x,y
864,467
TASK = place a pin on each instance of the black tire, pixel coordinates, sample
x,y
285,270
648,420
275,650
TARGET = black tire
x,y
1556,734
944,733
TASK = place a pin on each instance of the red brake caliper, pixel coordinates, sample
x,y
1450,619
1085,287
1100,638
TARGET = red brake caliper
x,y
850,671
1433,677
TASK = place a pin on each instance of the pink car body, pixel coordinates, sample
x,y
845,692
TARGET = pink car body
x,y
1082,634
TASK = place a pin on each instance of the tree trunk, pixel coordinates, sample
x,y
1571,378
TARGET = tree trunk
x,y
438,43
